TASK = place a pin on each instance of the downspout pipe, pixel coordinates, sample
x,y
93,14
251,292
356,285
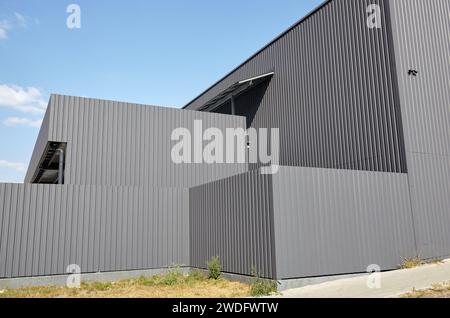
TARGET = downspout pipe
x,y
61,166
233,106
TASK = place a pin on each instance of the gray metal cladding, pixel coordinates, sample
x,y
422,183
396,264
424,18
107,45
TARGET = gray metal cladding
x,y
44,228
114,143
421,31
430,194
232,219
340,96
333,93
338,221
39,147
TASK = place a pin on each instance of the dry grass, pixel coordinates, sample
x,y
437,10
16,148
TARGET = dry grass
x,y
172,285
437,291
411,263
417,261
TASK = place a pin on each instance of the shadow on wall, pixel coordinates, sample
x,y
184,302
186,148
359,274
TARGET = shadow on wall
x,y
247,103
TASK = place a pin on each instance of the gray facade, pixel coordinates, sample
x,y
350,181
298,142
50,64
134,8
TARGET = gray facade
x,y
364,172
421,31
233,219
330,222
45,228
333,88
303,222
115,143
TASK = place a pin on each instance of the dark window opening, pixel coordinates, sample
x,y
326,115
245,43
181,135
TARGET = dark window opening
x,y
224,109
243,100
247,104
52,165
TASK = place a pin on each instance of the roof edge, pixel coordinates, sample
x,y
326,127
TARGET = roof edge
x,y
303,19
110,100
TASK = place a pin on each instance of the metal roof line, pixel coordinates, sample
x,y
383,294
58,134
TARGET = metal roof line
x,y
303,19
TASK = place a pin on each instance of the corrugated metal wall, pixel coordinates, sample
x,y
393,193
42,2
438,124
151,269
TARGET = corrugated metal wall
x,y
114,143
334,98
44,228
338,221
233,219
430,192
421,31
39,147
333,94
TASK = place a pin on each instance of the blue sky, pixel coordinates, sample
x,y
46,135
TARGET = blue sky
x,y
144,51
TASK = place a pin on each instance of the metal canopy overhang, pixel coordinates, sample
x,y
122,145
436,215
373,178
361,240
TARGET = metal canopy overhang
x,y
234,91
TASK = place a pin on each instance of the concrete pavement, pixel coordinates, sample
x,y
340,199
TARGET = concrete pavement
x,y
393,284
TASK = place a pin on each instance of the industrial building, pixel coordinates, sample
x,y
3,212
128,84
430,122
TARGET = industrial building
x,y
364,121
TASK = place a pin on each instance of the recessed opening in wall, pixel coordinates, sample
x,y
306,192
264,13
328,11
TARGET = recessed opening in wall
x,y
52,164
242,98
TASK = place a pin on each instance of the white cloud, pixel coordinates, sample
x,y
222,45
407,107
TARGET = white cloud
x,y
18,20
5,26
16,121
21,20
19,167
27,100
